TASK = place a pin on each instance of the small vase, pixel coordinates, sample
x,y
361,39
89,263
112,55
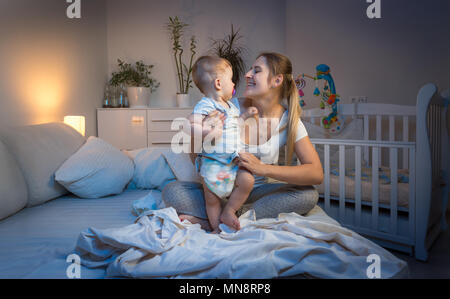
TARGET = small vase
x,y
138,97
183,100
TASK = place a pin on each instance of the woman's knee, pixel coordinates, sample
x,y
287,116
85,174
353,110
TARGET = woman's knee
x,y
170,191
185,198
286,199
306,198
307,193
176,191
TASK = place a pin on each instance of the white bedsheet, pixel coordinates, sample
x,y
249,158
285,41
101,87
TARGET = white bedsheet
x,y
35,242
158,245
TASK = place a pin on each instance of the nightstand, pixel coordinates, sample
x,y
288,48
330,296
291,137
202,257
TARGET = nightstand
x,y
134,128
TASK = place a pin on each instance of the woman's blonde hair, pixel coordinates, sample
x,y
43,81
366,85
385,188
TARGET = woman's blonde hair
x,y
281,65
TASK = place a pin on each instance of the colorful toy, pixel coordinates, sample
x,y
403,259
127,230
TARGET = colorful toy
x,y
301,83
329,97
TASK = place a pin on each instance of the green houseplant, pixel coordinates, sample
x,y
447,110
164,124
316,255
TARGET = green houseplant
x,y
176,29
230,49
138,81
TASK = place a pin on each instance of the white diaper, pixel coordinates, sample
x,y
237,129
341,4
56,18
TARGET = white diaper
x,y
218,177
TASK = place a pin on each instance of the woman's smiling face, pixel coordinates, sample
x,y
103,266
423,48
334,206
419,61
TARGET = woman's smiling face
x,y
257,79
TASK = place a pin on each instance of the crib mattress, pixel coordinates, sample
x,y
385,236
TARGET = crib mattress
x,y
35,242
366,191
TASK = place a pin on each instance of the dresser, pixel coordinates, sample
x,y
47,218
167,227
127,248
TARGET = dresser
x,y
134,128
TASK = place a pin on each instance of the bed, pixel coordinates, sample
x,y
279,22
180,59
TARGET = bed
x,y
44,220
390,185
38,241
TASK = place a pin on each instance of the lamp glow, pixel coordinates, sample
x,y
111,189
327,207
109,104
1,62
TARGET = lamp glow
x,y
76,122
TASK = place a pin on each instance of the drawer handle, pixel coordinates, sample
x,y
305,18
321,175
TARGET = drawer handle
x,y
137,120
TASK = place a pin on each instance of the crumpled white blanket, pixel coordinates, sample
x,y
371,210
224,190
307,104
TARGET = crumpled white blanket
x,y
158,245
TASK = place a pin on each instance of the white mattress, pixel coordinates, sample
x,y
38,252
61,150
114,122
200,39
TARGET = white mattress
x,y
366,191
35,242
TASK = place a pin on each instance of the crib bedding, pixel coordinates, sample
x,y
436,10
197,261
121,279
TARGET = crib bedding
x,y
366,191
36,242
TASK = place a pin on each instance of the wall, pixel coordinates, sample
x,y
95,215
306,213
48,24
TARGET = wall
x,y
136,30
386,59
51,66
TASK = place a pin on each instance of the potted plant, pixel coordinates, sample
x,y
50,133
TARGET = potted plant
x,y
176,30
138,81
229,49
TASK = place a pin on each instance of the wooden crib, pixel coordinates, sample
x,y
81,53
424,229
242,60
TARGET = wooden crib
x,y
405,216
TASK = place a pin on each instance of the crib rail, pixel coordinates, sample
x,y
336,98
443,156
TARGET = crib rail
x,y
375,118
355,220
416,139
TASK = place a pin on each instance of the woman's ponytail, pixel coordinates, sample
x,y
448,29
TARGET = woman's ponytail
x,y
294,116
280,64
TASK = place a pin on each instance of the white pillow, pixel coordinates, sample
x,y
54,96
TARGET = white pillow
x,y
39,151
97,169
152,170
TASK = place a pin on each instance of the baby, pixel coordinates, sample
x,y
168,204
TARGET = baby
x,y
221,176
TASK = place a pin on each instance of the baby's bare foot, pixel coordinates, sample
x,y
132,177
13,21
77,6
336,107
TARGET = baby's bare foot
x,y
204,223
229,218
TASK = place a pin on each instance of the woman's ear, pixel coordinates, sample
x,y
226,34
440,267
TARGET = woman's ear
x,y
277,81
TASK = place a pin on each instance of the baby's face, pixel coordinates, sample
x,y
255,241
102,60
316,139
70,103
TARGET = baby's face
x,y
227,83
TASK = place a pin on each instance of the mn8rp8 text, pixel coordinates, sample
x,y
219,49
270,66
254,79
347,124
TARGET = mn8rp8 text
x,y
246,288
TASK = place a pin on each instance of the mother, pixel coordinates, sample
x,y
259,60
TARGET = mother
x,y
269,84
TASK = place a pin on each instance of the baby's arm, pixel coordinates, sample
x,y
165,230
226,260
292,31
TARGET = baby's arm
x,y
196,121
203,125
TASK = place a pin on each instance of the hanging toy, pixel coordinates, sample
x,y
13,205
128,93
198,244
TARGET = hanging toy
x,y
301,83
316,90
334,121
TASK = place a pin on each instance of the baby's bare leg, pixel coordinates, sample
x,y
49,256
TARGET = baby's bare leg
x,y
243,187
213,208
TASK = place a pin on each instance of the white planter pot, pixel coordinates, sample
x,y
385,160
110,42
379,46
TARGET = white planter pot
x,y
138,97
183,100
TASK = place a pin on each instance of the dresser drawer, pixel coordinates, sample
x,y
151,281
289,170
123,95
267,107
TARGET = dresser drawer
x,y
162,137
167,115
129,128
166,126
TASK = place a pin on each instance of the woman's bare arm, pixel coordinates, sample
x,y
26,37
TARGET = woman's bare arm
x,y
310,171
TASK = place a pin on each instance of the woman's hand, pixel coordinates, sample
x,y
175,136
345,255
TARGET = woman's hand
x,y
252,164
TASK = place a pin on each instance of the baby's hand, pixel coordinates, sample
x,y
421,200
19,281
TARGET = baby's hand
x,y
213,124
251,111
